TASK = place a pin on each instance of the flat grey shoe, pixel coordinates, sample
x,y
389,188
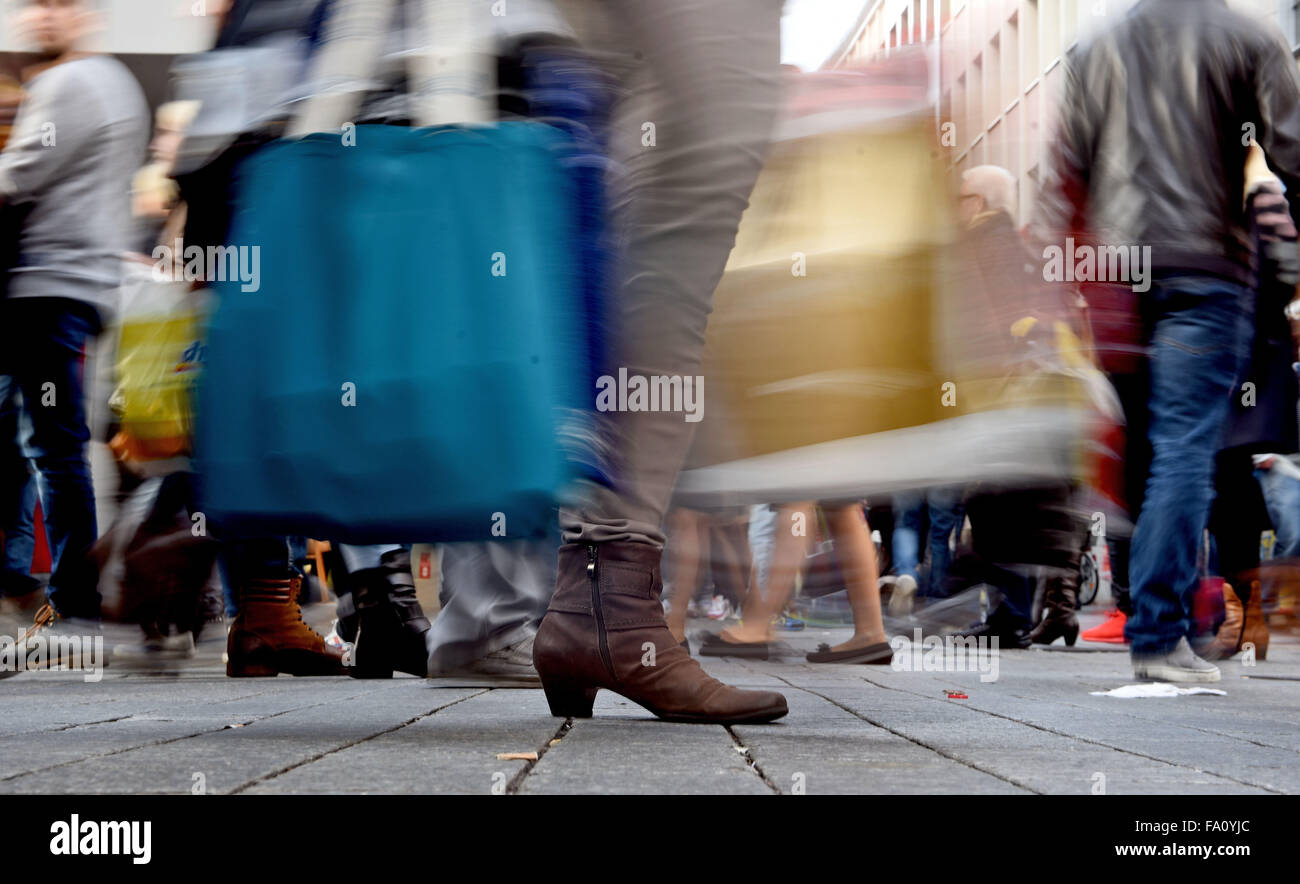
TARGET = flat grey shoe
x,y
156,651
1179,665
903,596
508,667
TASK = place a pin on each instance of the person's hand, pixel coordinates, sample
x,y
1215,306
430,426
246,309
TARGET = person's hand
x,y
1293,315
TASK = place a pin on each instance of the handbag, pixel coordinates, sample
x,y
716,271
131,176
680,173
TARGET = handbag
x,y
403,366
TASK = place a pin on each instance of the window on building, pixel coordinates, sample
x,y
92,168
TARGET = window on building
x,y
1011,60
993,80
1049,32
1029,45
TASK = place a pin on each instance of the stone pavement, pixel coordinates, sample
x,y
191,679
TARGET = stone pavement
x,y
851,730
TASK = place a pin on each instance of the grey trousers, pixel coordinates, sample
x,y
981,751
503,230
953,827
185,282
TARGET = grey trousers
x,y
706,78
493,594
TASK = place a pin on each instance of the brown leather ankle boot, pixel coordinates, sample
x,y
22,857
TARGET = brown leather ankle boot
x,y
1227,641
605,628
268,635
1255,629
1059,620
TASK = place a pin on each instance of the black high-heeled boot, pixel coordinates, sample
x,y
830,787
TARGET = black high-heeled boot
x,y
1058,620
390,623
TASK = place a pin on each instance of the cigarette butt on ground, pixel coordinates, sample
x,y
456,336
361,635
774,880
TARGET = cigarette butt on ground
x,y
516,756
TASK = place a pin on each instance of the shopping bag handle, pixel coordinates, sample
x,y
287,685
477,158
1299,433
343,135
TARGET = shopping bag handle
x,y
450,69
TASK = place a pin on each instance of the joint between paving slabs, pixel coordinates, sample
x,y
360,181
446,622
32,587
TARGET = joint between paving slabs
x,y
1058,733
751,762
318,756
518,779
913,740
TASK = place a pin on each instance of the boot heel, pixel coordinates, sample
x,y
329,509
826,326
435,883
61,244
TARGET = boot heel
x,y
247,657
249,670
569,701
1071,635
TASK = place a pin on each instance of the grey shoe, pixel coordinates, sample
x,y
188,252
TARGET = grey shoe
x,y
160,651
1179,665
508,667
901,599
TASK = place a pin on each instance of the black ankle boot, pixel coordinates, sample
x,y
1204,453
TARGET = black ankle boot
x,y
390,623
1058,620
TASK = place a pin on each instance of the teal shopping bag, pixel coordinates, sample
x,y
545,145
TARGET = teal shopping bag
x,y
411,349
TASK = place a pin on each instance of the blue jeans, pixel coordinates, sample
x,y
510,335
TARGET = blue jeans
x,y
42,355
20,544
906,540
19,535
1282,497
943,505
1199,334
243,560
273,558
946,515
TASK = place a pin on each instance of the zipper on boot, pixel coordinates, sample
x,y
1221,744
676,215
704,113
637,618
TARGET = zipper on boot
x,y
593,576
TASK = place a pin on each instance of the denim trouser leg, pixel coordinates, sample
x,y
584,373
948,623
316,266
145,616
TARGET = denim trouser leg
x,y
946,515
762,540
1198,336
711,85
1282,497
42,345
20,543
359,558
19,487
243,560
905,542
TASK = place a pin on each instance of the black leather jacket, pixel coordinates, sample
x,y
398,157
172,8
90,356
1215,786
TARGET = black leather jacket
x,y
1155,120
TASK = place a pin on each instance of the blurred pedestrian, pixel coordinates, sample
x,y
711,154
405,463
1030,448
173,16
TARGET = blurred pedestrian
x,y
1187,113
79,135
1017,533
856,554
707,86
1262,418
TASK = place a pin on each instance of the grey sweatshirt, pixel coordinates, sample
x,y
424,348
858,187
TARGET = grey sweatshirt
x,y
79,136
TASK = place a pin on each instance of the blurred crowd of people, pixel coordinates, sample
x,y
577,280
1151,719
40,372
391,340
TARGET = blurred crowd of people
x,y
1189,510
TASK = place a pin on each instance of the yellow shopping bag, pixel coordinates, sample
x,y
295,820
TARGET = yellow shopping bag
x,y
159,356
821,327
842,357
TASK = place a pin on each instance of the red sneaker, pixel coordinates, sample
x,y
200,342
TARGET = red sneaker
x,y
1110,631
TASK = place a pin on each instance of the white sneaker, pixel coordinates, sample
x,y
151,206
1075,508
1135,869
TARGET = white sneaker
x,y
719,608
508,667
1179,665
901,599
155,650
